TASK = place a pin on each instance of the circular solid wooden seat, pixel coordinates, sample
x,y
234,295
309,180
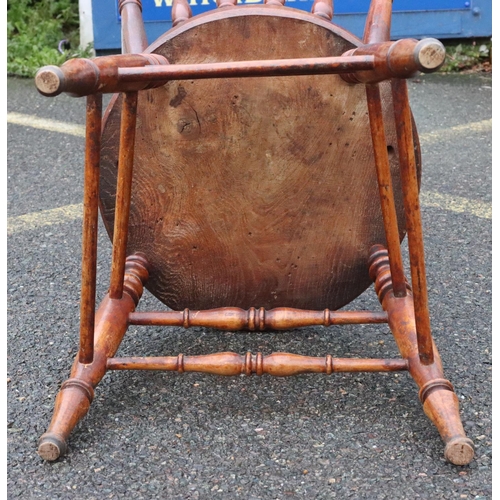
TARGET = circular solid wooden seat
x,y
253,191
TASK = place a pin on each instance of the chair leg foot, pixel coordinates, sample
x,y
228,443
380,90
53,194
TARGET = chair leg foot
x,y
440,403
459,450
51,446
75,397
441,406
72,404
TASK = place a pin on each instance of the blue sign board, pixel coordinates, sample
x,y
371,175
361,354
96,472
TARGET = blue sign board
x,y
411,18
159,10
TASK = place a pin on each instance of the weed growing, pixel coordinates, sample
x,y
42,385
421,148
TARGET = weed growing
x,y
468,56
41,32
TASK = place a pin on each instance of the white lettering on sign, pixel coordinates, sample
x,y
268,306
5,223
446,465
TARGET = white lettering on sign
x,y
168,3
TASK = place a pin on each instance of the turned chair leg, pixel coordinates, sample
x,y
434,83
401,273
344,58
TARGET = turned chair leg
x,y
437,395
76,394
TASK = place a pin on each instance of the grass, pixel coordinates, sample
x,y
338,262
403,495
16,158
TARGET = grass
x,y
467,56
43,32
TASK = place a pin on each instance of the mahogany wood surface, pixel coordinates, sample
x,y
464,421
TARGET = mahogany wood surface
x,y
114,74
254,192
323,8
437,395
123,191
235,319
134,38
76,394
90,226
274,197
385,187
378,22
277,364
181,11
413,220
131,72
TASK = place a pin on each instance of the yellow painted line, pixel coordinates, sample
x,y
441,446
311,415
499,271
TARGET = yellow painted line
x,y
46,124
452,132
36,220
69,213
448,202
456,204
79,130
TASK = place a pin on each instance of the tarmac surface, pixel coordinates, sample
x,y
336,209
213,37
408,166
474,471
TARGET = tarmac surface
x,y
193,436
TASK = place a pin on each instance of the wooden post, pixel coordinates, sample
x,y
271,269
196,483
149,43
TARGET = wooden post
x,y
378,22
278,364
409,182
76,394
134,39
123,193
385,189
221,4
437,395
89,229
236,319
323,8
181,12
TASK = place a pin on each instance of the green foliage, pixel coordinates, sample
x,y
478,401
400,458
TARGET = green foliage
x,y
467,56
36,27
34,30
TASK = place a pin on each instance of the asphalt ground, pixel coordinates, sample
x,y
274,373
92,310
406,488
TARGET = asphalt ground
x,y
193,436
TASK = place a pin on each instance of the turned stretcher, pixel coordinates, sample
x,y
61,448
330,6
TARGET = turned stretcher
x,y
257,168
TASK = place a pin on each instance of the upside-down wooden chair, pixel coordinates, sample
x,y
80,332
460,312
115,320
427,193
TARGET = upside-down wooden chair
x,y
257,168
